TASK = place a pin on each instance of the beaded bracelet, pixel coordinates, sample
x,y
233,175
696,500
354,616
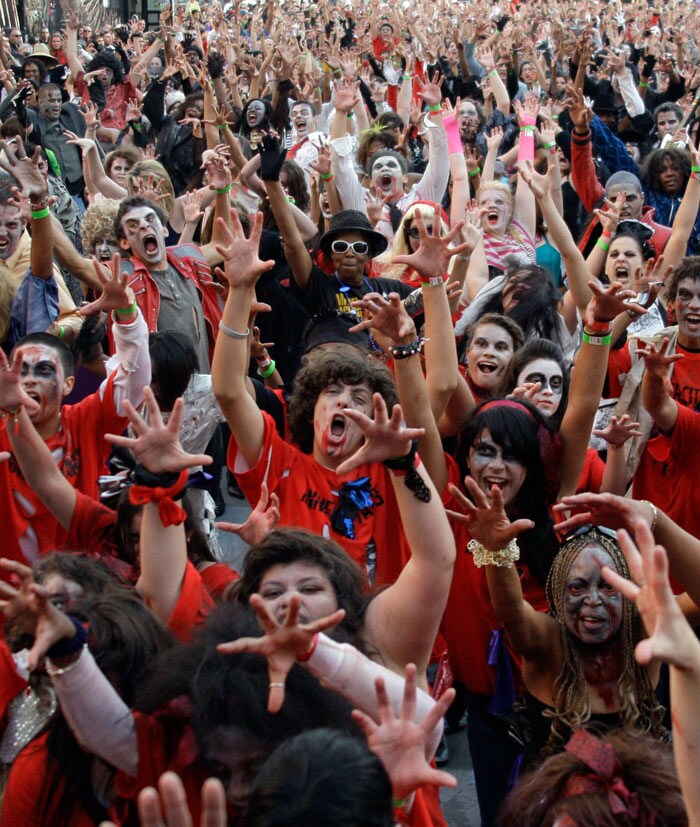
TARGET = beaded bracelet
x,y
127,311
502,558
233,333
325,176
596,340
14,413
603,246
474,173
404,351
265,371
226,189
45,213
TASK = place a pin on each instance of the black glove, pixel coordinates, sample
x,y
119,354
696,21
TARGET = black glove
x,y
502,22
649,63
271,158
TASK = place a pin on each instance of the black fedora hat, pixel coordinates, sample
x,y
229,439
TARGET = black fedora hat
x,y
353,221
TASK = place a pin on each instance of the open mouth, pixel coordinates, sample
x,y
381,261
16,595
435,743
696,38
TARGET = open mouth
x,y
693,320
592,622
150,244
105,255
386,181
491,481
4,244
300,124
486,367
338,426
492,216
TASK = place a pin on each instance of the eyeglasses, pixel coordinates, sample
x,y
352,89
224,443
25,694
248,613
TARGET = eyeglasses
x,y
554,383
359,248
584,530
414,232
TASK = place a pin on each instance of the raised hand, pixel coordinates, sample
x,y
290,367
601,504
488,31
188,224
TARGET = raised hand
x,y
400,743
116,293
261,521
75,140
24,170
271,157
618,431
486,517
156,445
242,265
282,643
657,360
11,394
192,206
217,163
387,316
31,607
540,185
611,300
346,96
670,635
434,253
385,437
610,217
579,111
430,92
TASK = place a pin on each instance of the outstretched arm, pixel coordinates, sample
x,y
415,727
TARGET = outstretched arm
x,y
242,268
163,546
656,390
392,624
671,640
496,549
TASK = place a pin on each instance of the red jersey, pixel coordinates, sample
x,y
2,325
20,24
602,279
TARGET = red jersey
x,y
309,497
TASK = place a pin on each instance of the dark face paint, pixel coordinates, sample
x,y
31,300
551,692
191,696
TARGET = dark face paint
x,y
592,607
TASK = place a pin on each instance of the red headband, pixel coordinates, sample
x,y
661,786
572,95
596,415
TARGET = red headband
x,y
606,776
508,403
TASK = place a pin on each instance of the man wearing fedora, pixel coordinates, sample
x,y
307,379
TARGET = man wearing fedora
x,y
327,289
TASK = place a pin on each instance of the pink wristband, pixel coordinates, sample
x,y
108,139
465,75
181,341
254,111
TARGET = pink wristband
x,y
454,141
526,147
528,122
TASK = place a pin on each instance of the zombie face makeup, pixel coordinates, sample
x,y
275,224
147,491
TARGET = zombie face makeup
x,y
592,607
255,114
490,464
44,381
489,352
11,228
337,437
145,237
387,176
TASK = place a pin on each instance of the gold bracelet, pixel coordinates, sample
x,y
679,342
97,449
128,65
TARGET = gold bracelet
x,y
503,558
654,511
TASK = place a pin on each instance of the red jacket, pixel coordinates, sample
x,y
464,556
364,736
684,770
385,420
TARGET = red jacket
x,y
590,191
188,260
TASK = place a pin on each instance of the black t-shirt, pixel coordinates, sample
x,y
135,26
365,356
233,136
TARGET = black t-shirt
x,y
328,301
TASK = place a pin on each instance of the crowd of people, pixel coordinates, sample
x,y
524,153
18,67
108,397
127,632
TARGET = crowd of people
x,y
420,282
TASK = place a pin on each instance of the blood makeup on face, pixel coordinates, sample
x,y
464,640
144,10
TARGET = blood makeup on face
x,y
592,607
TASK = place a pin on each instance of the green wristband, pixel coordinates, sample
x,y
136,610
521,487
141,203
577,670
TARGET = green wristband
x,y
473,173
597,340
269,370
643,85
135,125
325,176
695,169
550,144
127,311
435,108
226,189
603,246
45,213
61,331
222,126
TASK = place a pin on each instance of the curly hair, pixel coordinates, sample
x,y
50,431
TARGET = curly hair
x,y
107,60
129,153
342,363
639,707
401,246
369,138
654,164
647,769
98,223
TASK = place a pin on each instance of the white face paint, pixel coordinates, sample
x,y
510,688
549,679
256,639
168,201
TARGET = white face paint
x,y
387,176
145,237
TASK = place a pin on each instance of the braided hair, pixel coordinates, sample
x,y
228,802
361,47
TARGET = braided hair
x,y
639,707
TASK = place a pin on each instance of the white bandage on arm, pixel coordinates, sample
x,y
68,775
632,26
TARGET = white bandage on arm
x,y
101,722
345,670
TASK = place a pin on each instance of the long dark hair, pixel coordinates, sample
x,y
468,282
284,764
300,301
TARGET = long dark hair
x,y
124,638
519,429
537,309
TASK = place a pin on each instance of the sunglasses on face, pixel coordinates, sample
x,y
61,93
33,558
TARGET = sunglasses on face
x,y
414,232
584,530
359,248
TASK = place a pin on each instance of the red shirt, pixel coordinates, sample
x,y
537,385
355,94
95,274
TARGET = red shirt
x,y
667,473
117,96
308,495
81,439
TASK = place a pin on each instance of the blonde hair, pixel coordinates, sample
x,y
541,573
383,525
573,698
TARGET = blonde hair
x,y
401,245
98,223
145,169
